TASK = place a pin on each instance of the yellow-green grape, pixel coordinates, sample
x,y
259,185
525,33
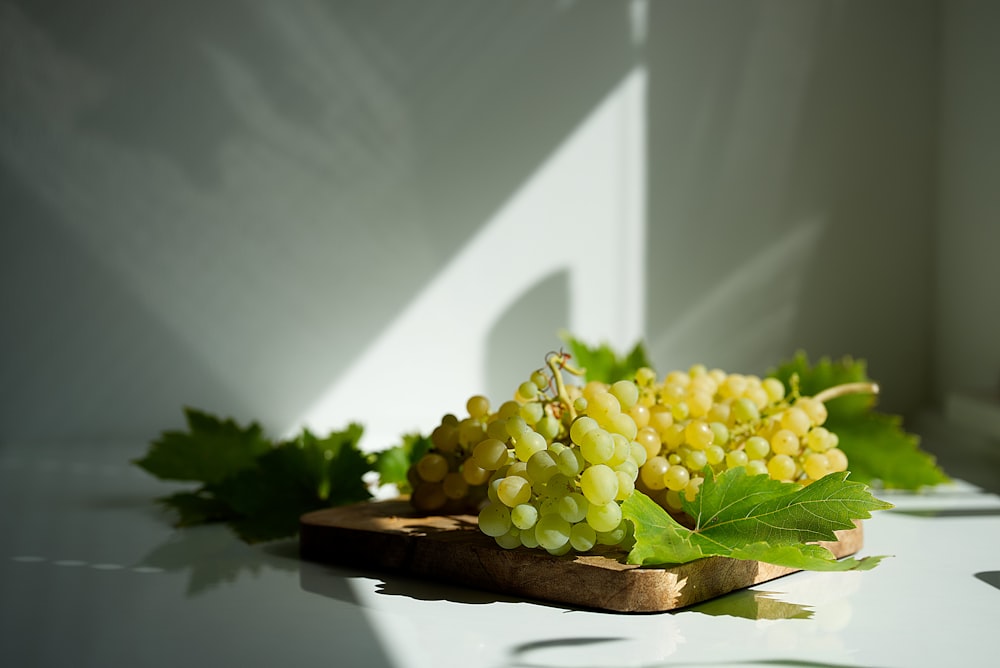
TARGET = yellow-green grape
x,y
513,491
715,454
615,536
622,423
532,412
455,486
672,499
527,391
775,389
695,460
649,439
597,446
478,406
580,427
490,454
785,442
508,409
603,404
698,434
781,467
676,477
821,439
837,459
528,539
509,540
720,413
736,458
699,403
599,484
637,453
626,392
757,447
621,452
541,466
744,410
796,421
816,410
539,378
733,386
474,474
432,467
470,432
552,532
444,438
604,516
494,520
757,467
816,465
582,537
720,433
673,437
640,415
517,426
651,473
570,462
524,516
528,444
660,418
645,376
548,426
626,485
572,507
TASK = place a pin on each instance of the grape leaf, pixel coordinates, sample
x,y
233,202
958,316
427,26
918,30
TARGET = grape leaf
x,y
753,517
211,449
258,487
602,363
878,448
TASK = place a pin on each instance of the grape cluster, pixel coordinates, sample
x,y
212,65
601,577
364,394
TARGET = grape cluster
x,y
709,418
550,467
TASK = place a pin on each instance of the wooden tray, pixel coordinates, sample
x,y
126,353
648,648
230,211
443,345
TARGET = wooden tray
x,y
390,535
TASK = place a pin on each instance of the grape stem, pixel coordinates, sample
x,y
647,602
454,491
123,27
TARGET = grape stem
x,y
844,389
557,362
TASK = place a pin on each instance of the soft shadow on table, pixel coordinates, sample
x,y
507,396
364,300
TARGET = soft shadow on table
x,y
751,604
213,555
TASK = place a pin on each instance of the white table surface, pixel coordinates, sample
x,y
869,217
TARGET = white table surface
x,y
93,574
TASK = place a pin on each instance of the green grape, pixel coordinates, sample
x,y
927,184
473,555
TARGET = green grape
x,y
781,467
744,410
552,532
527,390
582,537
513,491
626,392
696,460
490,454
757,447
622,423
651,473
432,467
573,507
570,462
580,427
509,540
604,516
837,459
775,389
528,444
816,410
541,466
720,433
796,421
735,458
524,516
715,454
816,465
494,520
473,474
548,427
626,485
785,442
540,379
597,446
532,412
676,478
757,467
698,434
478,406
649,439
599,484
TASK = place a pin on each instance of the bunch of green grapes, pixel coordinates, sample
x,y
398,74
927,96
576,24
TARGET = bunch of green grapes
x,y
701,417
556,461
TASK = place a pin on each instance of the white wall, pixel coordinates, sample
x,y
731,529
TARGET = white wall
x,y
230,206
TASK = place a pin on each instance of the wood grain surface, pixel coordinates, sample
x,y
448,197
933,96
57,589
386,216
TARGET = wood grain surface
x,y
390,535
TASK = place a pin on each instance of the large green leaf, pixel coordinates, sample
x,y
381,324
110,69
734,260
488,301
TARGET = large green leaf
x,y
753,517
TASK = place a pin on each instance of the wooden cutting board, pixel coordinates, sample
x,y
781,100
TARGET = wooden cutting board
x,y
390,535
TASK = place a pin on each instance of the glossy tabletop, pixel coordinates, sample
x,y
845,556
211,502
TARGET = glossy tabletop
x,y
93,574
